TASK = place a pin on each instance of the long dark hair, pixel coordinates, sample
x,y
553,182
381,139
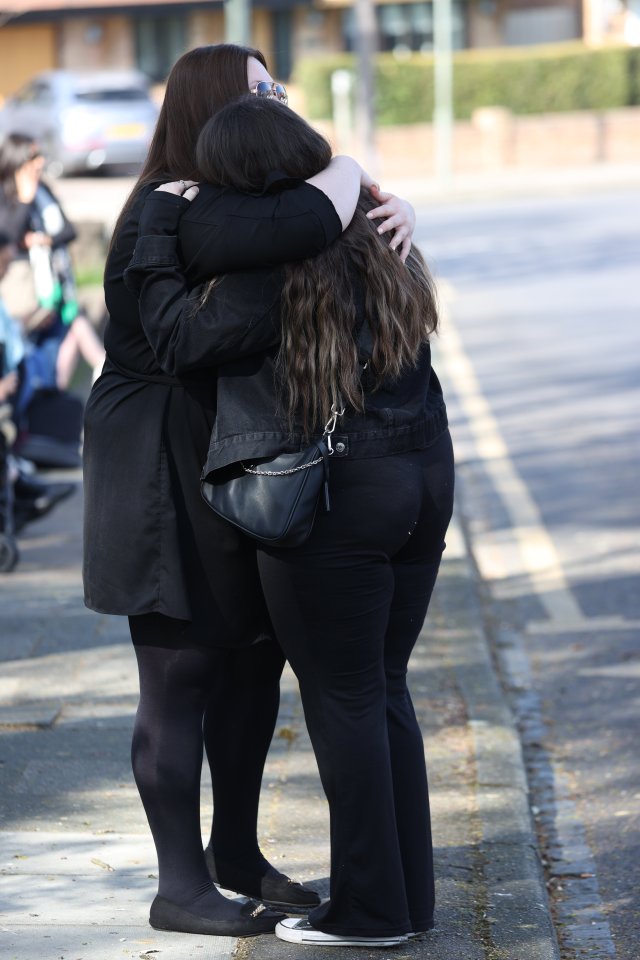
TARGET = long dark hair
x,y
201,82
250,137
16,149
317,362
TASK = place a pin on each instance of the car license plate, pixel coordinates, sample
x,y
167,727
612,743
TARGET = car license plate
x,y
126,131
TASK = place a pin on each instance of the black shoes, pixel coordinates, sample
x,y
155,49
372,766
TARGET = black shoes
x,y
273,888
301,931
253,920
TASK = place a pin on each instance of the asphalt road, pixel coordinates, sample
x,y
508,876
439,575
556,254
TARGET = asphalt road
x,y
540,353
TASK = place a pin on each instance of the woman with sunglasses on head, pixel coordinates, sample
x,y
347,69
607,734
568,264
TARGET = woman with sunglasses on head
x,y
342,336
209,666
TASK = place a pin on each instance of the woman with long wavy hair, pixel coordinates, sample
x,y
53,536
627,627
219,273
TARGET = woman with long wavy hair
x,y
209,666
343,335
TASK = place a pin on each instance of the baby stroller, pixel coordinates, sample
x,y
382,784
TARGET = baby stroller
x,y
8,548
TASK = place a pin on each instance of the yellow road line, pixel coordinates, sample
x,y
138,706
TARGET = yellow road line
x,y
525,548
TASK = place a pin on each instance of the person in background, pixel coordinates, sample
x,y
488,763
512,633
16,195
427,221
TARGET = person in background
x,y
32,217
339,339
209,665
11,341
31,498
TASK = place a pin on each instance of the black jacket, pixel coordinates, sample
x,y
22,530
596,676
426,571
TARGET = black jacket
x,y
151,543
239,330
17,219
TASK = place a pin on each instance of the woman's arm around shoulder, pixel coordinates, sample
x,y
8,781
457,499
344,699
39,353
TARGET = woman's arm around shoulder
x,y
194,328
291,221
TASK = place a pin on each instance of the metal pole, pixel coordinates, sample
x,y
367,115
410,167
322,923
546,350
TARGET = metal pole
x,y
443,105
341,88
237,21
366,44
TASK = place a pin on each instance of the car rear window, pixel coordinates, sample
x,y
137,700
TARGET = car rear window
x,y
123,94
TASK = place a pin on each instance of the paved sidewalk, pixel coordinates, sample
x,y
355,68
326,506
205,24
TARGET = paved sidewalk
x,y
511,182
77,868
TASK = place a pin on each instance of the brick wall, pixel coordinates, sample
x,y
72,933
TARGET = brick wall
x,y
496,139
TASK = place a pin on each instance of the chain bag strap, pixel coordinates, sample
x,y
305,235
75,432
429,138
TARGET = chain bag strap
x,y
329,428
275,500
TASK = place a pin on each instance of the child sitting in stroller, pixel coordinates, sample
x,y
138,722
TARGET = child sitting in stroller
x,y
23,498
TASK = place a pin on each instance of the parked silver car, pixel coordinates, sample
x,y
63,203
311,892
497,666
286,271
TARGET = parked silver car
x,y
84,121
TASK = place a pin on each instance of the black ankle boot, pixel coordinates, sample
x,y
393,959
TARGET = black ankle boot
x,y
271,887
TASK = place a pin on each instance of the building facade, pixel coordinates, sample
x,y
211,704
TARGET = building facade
x,y
150,35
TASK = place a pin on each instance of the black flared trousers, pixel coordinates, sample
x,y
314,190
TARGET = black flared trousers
x,y
347,608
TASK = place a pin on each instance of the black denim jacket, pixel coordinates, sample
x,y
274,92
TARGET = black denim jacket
x,y
237,332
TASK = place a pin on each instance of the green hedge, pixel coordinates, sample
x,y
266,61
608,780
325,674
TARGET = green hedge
x,y
525,79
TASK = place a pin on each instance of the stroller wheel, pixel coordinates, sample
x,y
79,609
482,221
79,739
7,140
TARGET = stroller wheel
x,y
8,553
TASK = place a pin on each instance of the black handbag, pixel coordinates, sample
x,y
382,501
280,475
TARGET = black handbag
x,y
275,499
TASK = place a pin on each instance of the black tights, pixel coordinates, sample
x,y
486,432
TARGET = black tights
x,y
235,694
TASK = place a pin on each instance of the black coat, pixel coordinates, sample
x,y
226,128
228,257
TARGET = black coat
x,y
17,219
151,543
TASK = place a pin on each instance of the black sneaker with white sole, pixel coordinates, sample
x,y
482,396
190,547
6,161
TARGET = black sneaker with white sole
x,y
301,931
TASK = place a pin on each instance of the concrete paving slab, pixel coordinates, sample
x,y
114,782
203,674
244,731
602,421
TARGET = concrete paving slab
x,y
46,777
93,674
86,897
49,852
517,907
505,816
498,753
52,899
29,713
111,942
118,712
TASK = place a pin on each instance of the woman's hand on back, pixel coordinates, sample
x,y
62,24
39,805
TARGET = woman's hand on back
x,y
397,215
180,188
161,219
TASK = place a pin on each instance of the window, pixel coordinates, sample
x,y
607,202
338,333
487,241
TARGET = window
x,y
407,26
159,43
37,92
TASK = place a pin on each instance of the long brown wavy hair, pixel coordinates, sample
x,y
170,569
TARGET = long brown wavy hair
x,y
324,298
201,82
